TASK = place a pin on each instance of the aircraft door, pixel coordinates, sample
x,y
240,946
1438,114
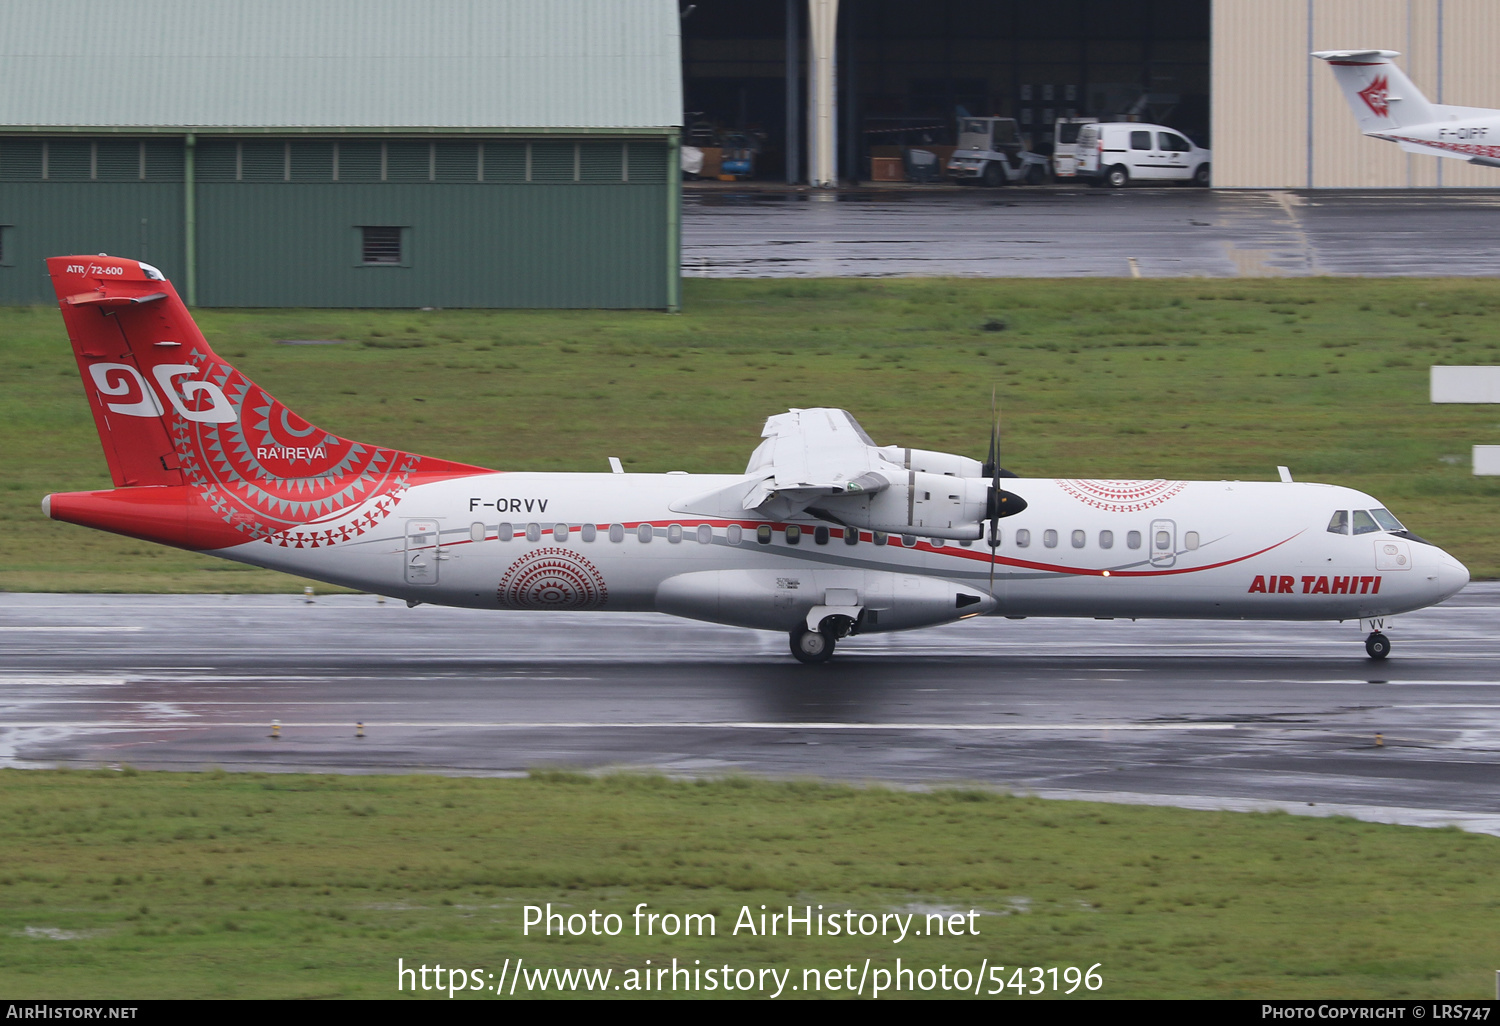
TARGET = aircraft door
x,y
1163,542
423,551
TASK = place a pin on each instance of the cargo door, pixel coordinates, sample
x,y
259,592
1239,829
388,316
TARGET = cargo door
x,y
424,551
1163,542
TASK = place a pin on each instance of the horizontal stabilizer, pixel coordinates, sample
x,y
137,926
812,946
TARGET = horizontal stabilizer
x,y
101,298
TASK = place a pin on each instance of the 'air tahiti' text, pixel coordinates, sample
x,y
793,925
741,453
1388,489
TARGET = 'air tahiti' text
x,y
1273,585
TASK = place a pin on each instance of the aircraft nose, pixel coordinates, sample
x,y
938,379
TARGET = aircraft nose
x,y
1452,575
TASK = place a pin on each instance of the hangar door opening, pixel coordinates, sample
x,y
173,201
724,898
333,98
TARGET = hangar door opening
x,y
905,71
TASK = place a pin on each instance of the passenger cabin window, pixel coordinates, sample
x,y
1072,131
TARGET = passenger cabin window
x,y
734,534
1023,537
476,532
820,535
793,534
1079,539
937,543
674,533
909,540
1163,540
851,536
1364,523
560,532
763,534
588,532
1133,540
506,532
616,532
644,533
1106,539
533,532
880,537
1049,538
705,534
1339,524
1190,540
1140,140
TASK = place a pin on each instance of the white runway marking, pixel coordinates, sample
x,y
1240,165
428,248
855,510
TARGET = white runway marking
x,y
1473,822
81,629
661,725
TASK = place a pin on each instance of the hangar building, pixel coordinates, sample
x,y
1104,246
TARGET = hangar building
x,y
1233,74
347,153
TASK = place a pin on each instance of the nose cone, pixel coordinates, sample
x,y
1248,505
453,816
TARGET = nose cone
x,y
1452,576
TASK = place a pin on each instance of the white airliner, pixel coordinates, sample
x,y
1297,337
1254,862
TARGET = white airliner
x,y
824,535
1388,106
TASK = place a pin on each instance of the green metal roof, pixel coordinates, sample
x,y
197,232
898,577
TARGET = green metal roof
x,y
352,65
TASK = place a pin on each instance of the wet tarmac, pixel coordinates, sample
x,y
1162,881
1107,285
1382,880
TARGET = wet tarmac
x,y
1083,232
1221,715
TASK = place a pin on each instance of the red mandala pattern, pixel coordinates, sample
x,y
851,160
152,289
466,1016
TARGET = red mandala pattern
x,y
274,477
1122,496
552,578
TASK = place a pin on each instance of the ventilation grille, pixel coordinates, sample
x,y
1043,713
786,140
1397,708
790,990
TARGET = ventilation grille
x,y
380,244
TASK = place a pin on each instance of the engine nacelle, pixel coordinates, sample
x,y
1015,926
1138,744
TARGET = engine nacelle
x,y
780,600
928,462
917,502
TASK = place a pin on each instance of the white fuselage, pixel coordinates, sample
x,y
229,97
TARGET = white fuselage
x,y
1198,549
1475,137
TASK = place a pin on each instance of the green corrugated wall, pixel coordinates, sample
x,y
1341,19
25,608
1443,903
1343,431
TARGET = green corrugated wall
x,y
502,223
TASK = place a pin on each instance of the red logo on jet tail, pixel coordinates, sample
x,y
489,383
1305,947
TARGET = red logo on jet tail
x,y
1377,96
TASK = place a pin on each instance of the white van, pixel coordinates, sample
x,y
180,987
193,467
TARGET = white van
x,y
1117,153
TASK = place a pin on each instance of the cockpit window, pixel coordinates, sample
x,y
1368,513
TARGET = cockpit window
x,y
1386,521
1340,522
1364,523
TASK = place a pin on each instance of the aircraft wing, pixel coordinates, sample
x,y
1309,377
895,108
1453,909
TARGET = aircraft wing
x,y
814,453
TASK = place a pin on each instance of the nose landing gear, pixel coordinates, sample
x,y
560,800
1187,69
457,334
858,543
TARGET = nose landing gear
x,y
1378,645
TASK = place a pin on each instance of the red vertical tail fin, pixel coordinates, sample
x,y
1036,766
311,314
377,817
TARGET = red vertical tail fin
x,y
171,412
99,296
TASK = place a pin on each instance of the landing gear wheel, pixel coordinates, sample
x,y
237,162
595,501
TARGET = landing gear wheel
x,y
812,646
1117,177
1378,645
994,175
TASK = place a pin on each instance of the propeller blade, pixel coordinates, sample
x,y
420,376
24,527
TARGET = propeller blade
x,y
994,495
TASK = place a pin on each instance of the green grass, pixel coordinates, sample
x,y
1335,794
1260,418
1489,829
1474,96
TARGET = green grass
x,y
254,885
1098,378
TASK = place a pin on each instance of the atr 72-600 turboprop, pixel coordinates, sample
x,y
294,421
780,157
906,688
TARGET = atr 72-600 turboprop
x,y
1388,106
825,534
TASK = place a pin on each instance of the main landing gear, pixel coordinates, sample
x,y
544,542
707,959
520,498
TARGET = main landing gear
x,y
812,646
1377,645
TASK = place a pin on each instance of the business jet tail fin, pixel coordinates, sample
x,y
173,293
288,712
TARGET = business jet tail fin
x,y
1379,93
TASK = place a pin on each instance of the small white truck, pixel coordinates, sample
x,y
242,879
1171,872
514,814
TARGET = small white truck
x,y
990,152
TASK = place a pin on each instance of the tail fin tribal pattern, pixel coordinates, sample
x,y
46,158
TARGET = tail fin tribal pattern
x,y
191,439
